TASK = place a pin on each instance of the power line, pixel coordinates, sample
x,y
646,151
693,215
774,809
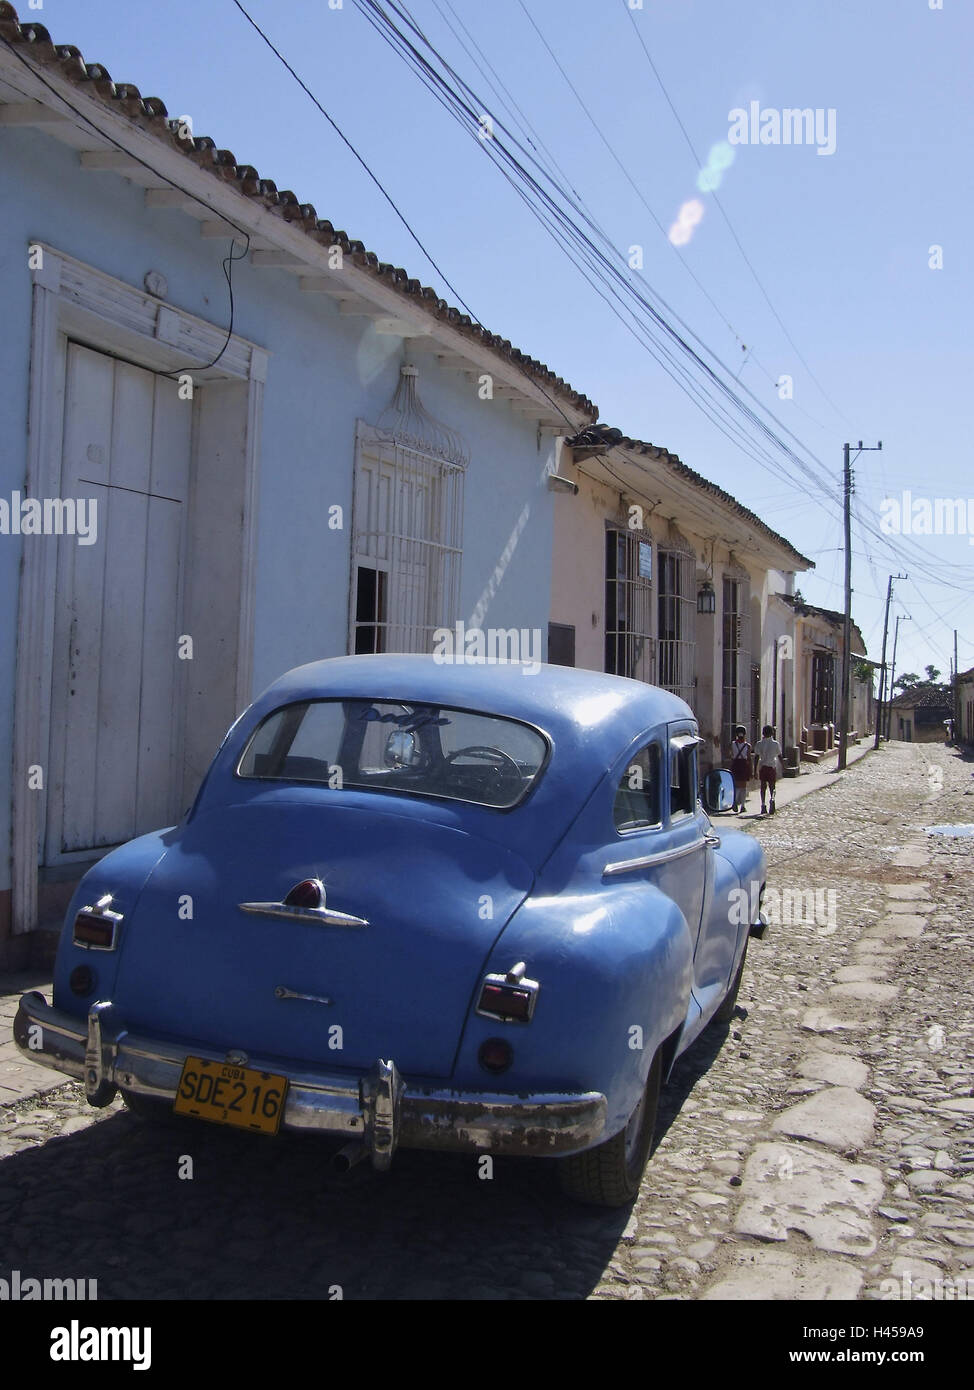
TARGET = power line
x,y
459,104
348,144
725,216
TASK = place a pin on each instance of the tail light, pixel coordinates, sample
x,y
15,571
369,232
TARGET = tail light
x,y
508,998
96,928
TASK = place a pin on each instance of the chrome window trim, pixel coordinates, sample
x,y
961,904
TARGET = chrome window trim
x,y
650,861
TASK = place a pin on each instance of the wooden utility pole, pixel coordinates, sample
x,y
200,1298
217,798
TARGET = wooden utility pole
x,y
900,618
882,664
847,626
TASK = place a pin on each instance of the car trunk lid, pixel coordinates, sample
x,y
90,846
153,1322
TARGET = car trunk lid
x,y
196,965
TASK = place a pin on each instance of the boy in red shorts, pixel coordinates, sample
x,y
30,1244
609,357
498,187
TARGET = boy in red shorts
x,y
767,755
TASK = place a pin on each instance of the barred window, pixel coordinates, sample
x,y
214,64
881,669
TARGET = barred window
x,y
407,545
628,604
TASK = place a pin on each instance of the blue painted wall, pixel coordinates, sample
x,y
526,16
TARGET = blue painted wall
x,y
324,372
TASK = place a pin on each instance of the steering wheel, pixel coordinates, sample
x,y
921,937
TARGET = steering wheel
x,y
501,763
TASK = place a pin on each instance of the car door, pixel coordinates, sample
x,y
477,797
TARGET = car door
x,y
689,872
657,813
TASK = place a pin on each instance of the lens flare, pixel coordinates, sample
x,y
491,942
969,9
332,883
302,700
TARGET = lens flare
x,y
687,220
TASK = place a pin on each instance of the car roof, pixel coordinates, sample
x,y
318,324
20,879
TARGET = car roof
x,y
585,712
591,720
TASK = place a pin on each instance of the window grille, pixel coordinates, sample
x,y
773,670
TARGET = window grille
x,y
677,612
823,688
628,604
736,656
407,528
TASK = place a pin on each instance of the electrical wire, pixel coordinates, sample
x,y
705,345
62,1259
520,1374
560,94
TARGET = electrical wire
x,y
228,262
725,216
543,204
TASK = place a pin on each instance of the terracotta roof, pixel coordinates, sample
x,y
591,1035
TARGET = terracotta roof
x,y
150,114
600,436
925,696
803,609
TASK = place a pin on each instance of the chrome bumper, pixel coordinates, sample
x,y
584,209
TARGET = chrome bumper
x,y
379,1109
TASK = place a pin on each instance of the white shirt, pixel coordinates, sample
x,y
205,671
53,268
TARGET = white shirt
x,y
769,751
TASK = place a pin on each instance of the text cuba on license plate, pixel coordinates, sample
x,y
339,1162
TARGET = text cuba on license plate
x,y
231,1095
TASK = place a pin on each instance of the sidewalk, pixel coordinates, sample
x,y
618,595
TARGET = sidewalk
x,y
812,778
20,1079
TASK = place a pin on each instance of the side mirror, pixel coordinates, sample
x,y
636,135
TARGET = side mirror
x,y
718,790
402,749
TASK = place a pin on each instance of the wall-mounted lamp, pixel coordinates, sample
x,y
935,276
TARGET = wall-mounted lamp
x,y
706,598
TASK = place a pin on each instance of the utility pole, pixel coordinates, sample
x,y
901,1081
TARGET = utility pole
x,y
847,626
900,618
956,692
882,664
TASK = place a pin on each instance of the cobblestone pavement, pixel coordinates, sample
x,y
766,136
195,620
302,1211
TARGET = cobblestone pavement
x,y
821,1146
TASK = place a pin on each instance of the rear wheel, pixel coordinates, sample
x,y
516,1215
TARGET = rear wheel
x,y
726,1011
609,1175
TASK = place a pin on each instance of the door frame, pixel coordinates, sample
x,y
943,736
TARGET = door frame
x,y
74,300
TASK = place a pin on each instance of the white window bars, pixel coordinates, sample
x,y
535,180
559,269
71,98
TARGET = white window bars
x,y
736,656
407,527
677,613
628,604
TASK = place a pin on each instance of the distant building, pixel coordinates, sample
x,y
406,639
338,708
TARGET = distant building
x,y
965,706
917,715
819,637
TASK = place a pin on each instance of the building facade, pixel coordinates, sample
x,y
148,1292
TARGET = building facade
x,y
193,500
661,576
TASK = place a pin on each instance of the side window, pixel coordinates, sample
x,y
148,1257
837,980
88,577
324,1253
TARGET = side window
x,y
637,801
683,779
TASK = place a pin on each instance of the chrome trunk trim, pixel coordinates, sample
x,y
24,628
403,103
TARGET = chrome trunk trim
x,y
315,916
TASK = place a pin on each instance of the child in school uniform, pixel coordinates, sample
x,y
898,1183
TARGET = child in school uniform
x,y
740,768
767,756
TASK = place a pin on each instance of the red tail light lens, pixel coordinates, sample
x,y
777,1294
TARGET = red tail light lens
x,y
310,892
96,928
509,998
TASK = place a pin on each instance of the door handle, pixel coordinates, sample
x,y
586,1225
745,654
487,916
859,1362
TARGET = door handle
x,y
713,841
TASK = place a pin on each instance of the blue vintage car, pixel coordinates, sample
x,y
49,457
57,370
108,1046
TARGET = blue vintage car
x,y
418,903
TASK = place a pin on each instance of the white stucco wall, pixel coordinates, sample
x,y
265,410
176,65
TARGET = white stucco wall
x,y
325,371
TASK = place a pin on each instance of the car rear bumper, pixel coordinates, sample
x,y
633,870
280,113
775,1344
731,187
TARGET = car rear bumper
x,y
379,1110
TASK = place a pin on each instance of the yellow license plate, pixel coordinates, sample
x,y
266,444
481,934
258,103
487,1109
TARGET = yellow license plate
x,y
231,1095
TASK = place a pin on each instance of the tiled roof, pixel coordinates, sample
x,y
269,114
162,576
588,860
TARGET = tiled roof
x,y
925,696
608,437
812,610
149,113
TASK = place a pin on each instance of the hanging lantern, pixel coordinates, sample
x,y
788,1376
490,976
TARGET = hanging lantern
x,y
706,598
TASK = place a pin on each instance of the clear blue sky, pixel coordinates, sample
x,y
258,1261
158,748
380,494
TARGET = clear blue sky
x,y
840,242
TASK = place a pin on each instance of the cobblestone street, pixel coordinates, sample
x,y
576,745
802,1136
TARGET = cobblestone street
x,y
819,1147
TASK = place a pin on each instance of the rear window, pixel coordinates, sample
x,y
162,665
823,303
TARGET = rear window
x,y
383,745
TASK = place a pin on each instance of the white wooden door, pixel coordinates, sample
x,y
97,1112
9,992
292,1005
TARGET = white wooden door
x,y
127,443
